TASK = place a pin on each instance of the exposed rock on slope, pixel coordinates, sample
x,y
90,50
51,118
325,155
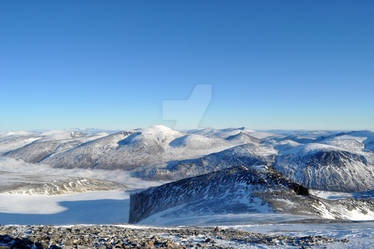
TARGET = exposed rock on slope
x,y
327,167
233,190
240,190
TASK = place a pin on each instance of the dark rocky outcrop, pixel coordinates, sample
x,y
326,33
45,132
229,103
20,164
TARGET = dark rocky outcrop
x,y
221,191
327,169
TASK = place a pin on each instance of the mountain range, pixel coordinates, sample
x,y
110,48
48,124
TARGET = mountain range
x,y
235,170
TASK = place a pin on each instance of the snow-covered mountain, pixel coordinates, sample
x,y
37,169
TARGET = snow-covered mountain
x,y
124,150
218,173
249,155
37,146
241,190
233,190
367,138
335,163
325,160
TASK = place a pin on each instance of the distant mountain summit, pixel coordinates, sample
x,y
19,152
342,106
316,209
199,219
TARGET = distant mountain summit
x,y
332,165
323,160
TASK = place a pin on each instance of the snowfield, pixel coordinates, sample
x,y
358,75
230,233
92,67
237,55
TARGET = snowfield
x,y
89,176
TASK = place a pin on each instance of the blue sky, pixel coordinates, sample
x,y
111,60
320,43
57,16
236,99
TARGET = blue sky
x,y
110,64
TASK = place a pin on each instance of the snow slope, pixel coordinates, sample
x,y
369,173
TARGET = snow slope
x,y
234,190
322,160
242,155
149,147
242,191
37,146
329,167
326,160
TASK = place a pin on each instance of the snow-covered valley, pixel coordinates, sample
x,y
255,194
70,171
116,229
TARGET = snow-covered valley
x,y
270,180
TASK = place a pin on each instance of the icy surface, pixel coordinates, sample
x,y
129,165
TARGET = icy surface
x,y
34,165
39,194
89,208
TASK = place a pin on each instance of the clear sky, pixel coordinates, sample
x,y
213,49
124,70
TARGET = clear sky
x,y
110,64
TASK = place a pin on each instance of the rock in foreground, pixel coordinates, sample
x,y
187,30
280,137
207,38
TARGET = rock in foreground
x,y
112,236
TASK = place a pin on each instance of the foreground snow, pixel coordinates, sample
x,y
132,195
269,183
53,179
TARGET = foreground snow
x,y
359,234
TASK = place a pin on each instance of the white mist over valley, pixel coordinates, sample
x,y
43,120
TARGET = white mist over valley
x,y
161,177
